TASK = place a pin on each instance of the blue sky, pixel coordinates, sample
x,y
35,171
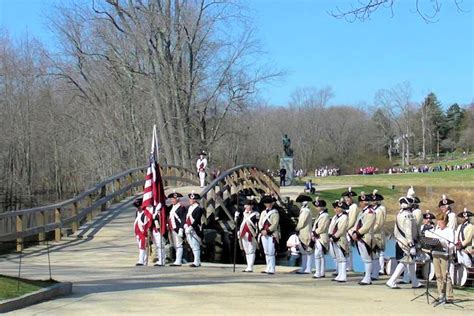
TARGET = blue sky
x,y
355,59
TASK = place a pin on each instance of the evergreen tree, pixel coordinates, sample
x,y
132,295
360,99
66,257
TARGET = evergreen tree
x,y
454,122
435,121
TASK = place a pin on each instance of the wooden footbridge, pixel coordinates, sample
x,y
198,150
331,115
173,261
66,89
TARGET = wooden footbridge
x,y
219,198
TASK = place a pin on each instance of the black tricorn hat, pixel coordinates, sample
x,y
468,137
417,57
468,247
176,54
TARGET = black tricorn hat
x,y
319,203
429,215
138,202
194,196
174,195
465,213
202,152
250,202
445,201
406,200
376,197
340,204
364,197
303,198
267,199
349,192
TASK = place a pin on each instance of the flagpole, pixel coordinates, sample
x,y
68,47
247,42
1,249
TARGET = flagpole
x,y
150,231
162,220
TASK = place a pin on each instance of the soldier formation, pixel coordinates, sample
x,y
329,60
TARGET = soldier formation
x,y
353,225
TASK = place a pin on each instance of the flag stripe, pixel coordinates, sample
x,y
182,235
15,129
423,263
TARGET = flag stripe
x,y
154,193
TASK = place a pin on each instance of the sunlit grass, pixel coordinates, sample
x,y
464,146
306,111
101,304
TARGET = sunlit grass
x,y
9,287
459,178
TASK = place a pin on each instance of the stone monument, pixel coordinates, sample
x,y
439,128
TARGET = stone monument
x,y
286,162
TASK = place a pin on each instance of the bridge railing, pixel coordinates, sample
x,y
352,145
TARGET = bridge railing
x,y
37,221
218,193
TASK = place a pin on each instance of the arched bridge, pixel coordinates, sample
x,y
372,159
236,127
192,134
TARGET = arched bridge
x,y
219,198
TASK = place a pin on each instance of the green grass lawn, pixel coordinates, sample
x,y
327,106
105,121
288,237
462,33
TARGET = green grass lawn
x,y
9,287
460,178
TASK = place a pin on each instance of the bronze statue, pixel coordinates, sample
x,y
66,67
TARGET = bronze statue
x,y
286,146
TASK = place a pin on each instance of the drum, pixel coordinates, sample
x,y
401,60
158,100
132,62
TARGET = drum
x,y
462,275
390,265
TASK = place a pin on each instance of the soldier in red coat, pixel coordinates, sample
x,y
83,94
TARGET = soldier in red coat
x,y
141,226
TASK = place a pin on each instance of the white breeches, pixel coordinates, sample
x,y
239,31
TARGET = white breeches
x,y
336,252
269,249
318,259
249,246
202,178
159,242
318,250
193,242
268,245
364,254
177,240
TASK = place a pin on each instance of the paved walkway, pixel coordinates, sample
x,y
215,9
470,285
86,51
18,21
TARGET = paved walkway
x,y
100,259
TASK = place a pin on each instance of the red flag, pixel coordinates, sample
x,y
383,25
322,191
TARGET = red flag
x,y
154,192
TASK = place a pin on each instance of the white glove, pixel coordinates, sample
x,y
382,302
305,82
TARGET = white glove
x,y
188,229
412,251
180,233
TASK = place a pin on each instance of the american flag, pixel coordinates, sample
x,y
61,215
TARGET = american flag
x,y
153,191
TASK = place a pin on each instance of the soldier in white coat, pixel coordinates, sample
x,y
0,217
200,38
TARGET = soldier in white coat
x,y
338,244
418,214
463,238
416,206
363,234
352,214
445,206
320,237
201,165
269,227
193,228
248,232
177,216
303,229
406,234
379,236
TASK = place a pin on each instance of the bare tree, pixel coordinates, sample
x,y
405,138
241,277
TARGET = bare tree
x,y
363,9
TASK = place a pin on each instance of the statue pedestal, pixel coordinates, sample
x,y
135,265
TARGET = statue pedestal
x,y
287,163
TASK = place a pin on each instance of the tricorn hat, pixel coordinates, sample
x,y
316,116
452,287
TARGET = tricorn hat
x,y
138,202
349,193
267,199
428,215
250,201
465,213
411,194
340,204
365,198
319,203
202,152
194,196
174,195
303,198
406,200
376,196
445,201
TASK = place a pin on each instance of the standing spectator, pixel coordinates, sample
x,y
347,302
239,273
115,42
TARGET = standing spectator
x,y
282,177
